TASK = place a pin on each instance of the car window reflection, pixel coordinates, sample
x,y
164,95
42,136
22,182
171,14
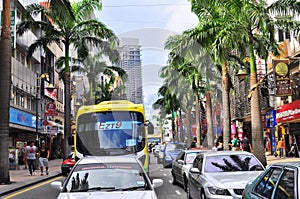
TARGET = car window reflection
x,y
103,177
232,163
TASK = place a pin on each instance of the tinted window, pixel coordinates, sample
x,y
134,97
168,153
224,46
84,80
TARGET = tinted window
x,y
266,186
174,146
286,185
230,163
190,157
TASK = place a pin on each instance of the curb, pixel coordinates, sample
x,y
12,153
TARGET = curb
x,y
26,184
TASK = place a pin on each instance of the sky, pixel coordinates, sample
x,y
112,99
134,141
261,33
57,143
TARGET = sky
x,y
152,22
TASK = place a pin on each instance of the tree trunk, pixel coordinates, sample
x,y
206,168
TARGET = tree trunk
x,y
198,122
67,102
226,107
188,127
210,133
5,85
256,120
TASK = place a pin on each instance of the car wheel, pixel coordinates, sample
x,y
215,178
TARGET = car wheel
x,y
188,193
173,179
202,194
64,173
185,183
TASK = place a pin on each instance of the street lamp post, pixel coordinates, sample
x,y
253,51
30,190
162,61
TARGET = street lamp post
x,y
38,77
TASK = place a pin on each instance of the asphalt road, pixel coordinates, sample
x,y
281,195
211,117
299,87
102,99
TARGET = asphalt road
x,y
44,190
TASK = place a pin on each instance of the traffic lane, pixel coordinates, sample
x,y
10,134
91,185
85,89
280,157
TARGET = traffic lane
x,y
37,191
167,190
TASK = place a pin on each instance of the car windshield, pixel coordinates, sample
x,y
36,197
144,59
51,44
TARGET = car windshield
x,y
171,147
107,177
231,163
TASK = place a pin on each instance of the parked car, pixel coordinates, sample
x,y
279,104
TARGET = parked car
x,y
222,174
68,164
107,177
171,151
160,154
278,181
156,149
182,164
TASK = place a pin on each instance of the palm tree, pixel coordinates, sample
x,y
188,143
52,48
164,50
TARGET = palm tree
x,y
5,81
73,29
253,23
93,67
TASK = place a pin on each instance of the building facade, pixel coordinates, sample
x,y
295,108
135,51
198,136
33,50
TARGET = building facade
x,y
130,61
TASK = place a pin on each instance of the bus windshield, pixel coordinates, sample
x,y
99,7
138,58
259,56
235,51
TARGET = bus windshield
x,y
110,133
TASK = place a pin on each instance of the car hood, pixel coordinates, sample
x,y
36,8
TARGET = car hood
x,y
237,180
109,195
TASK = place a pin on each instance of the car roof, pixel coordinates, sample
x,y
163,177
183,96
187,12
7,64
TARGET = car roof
x,y
195,150
216,153
108,159
291,164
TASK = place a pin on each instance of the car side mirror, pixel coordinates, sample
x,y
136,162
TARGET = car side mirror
x,y
56,185
194,170
181,162
157,183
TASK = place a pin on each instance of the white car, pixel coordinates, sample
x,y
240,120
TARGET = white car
x,y
222,174
108,177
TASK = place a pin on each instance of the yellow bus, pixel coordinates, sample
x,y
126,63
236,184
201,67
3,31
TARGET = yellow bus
x,y
112,128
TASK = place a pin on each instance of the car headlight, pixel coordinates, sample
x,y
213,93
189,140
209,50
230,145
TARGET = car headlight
x,y
218,191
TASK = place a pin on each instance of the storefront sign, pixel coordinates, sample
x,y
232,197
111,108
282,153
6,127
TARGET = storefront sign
x,y
271,118
282,77
288,112
22,118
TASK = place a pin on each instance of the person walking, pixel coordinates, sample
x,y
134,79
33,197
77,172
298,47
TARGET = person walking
x,y
24,154
234,143
246,144
280,146
31,151
44,155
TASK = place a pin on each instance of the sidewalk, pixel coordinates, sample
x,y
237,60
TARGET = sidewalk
x,y
20,178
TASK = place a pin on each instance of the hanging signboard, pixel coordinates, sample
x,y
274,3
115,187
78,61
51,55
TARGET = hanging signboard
x,y
282,77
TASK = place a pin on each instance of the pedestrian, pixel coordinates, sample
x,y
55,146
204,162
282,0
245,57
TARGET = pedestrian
x,y
31,151
246,144
280,146
292,151
234,143
24,154
215,147
194,143
44,155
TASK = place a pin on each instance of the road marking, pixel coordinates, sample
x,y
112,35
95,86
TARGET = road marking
x,y
178,192
33,187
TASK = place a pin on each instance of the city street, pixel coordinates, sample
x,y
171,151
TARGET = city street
x,y
44,190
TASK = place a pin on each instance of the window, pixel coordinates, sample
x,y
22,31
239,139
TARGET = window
x,y
286,185
266,186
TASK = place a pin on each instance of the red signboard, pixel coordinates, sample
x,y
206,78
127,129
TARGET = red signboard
x,y
288,112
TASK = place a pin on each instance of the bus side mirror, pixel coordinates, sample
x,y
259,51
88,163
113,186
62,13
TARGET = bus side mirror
x,y
150,128
71,140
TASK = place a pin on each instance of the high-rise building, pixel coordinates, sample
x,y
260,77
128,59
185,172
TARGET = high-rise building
x,y
130,61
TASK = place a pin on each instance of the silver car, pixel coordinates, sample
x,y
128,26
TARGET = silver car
x,y
108,177
182,164
222,174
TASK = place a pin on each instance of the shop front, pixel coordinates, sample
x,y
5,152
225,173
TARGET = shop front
x,y
288,125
